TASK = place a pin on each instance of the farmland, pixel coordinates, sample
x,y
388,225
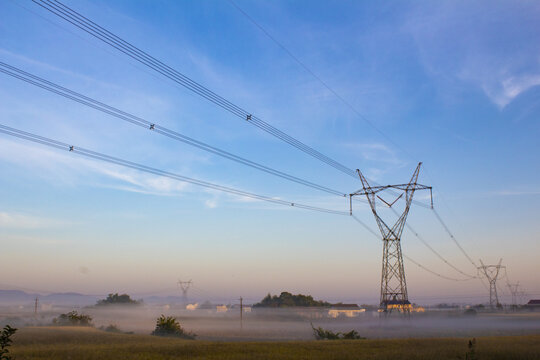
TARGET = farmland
x,y
88,343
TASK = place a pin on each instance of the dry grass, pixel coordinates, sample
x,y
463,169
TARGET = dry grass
x,y
87,343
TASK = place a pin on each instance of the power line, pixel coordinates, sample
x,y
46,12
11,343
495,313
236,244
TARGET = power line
x,y
318,78
405,256
346,103
137,54
442,258
99,156
135,120
453,238
433,272
123,46
353,109
113,160
144,58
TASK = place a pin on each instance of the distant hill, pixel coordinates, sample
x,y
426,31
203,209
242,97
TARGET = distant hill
x,y
15,296
18,297
286,299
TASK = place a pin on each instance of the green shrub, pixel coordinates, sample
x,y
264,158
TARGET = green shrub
x,y
471,353
111,328
169,326
5,342
73,319
323,334
352,335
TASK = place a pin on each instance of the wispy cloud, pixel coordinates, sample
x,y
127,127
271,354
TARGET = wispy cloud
x,y
74,170
13,220
379,158
515,192
455,45
49,67
500,86
211,203
513,87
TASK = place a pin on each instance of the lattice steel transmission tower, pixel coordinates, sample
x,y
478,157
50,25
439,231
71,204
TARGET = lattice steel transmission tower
x,y
514,291
184,286
491,272
393,285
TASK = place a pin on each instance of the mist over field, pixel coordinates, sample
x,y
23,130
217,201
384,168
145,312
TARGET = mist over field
x,y
287,323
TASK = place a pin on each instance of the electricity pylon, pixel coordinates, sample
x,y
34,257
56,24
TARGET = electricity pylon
x,y
514,291
184,286
491,272
393,285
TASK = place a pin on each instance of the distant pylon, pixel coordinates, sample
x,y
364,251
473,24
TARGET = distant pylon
x,y
184,286
393,285
514,291
491,272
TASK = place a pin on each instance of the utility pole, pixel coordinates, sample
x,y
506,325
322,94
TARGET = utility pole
x,y
241,313
184,286
393,285
491,272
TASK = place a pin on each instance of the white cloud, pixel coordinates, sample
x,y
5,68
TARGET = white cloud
x,y
383,156
513,86
24,221
74,170
459,45
501,86
515,193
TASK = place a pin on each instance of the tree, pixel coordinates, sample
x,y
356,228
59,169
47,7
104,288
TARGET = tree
x,y
73,318
115,299
286,299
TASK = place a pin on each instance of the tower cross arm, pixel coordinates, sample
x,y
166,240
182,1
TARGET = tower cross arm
x,y
404,187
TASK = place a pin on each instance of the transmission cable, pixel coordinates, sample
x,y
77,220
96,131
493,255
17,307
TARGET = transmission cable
x,y
453,238
405,256
315,76
85,100
85,24
113,160
90,27
442,258
99,156
336,94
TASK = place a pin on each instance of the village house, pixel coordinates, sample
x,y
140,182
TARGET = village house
x,y
346,310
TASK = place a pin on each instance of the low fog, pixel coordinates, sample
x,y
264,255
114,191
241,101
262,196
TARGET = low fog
x,y
285,324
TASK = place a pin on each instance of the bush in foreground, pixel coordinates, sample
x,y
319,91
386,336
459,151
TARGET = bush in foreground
x,y
323,334
5,342
471,353
73,318
111,328
169,326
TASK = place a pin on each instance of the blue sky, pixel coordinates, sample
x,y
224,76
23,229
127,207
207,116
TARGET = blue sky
x,y
452,84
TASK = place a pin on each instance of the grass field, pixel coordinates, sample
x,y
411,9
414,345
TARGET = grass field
x,y
88,343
